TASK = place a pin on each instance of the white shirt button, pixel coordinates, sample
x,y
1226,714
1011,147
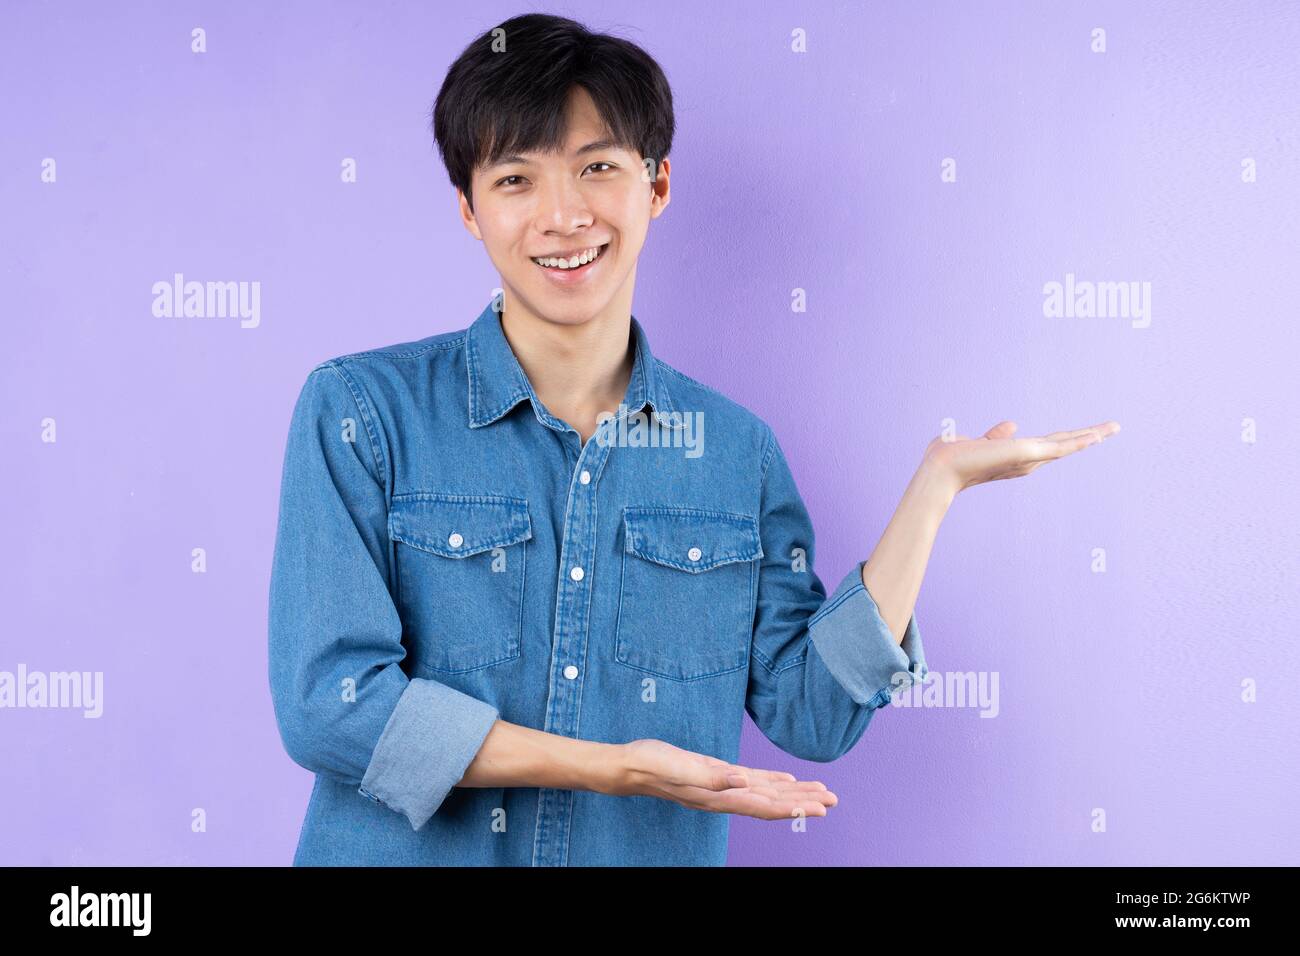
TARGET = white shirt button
x,y
571,672
576,573
455,540
694,554
585,477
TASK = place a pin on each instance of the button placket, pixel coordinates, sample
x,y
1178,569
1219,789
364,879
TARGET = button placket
x,y
550,839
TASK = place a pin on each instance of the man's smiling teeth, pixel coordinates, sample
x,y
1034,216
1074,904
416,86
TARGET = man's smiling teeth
x,y
571,263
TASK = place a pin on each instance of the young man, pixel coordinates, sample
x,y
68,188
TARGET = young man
x,y
521,596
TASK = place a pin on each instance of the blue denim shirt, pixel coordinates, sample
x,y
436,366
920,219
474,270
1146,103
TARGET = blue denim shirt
x,y
449,553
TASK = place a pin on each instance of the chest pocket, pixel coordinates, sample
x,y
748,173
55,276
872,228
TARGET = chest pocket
x,y
687,591
460,577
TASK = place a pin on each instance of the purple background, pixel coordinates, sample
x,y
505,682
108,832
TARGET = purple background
x,y
818,171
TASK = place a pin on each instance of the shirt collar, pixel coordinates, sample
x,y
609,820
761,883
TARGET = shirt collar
x,y
497,382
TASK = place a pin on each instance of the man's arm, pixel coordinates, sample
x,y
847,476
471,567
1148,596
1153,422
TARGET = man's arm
x,y
820,666
344,706
893,573
518,756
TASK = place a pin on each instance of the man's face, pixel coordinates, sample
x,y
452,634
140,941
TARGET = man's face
x,y
542,205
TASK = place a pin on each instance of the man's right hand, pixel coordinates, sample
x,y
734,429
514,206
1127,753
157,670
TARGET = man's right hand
x,y
658,769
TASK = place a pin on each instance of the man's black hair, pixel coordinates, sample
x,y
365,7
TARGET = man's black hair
x,y
508,90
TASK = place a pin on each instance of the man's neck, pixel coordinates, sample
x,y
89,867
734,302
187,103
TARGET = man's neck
x,y
577,371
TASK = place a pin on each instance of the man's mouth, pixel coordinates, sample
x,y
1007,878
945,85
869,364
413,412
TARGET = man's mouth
x,y
573,264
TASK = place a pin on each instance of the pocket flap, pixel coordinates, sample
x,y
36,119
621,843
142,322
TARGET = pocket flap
x,y
457,526
690,539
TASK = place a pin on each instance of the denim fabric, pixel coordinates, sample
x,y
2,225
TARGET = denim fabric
x,y
449,553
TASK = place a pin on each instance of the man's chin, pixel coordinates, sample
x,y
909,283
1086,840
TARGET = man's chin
x,y
559,309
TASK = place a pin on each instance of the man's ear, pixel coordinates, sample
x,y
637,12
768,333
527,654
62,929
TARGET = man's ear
x,y
467,214
659,193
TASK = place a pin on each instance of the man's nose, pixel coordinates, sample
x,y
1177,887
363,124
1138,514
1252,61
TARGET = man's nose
x,y
562,206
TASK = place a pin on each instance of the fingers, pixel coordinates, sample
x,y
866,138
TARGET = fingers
x,y
768,801
1007,428
719,775
749,776
781,803
1063,436
704,782
1040,450
1060,444
707,783
1104,429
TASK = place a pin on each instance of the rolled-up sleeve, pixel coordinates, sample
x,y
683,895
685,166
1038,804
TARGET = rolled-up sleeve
x,y
820,666
343,704
856,645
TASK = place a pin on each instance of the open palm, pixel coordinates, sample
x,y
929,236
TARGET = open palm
x,y
996,455
702,782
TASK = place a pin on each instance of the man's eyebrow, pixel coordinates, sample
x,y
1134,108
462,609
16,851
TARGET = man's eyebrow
x,y
592,147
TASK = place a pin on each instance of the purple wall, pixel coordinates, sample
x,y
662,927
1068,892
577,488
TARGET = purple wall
x,y
1162,690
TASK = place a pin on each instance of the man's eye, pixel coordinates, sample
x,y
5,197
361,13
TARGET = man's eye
x,y
506,181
